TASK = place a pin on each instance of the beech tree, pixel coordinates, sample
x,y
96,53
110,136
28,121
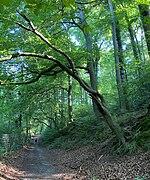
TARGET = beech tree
x,y
145,17
57,65
40,36
121,76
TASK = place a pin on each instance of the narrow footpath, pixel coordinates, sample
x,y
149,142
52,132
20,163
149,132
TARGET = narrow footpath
x,y
39,164
36,164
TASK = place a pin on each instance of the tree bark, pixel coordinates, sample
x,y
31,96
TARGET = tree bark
x,y
70,114
62,104
121,77
90,60
122,67
145,17
134,46
99,101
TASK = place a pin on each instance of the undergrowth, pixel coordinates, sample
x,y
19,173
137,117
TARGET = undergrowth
x,y
139,134
79,132
85,129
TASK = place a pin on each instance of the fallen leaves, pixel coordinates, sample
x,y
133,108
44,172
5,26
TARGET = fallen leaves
x,y
93,162
7,172
85,163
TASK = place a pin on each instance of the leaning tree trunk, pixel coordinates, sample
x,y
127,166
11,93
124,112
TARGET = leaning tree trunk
x,y
99,102
109,119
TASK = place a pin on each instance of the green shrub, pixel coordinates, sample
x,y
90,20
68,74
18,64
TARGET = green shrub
x,y
49,135
85,129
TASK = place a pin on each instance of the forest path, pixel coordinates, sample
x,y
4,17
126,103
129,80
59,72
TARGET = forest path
x,y
37,164
83,163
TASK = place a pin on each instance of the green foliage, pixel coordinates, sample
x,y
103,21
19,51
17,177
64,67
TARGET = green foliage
x,y
139,133
5,3
143,136
84,130
44,103
68,2
50,135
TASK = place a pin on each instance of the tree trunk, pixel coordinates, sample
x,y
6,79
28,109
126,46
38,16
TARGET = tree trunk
x,y
134,46
109,120
99,102
70,114
122,67
121,57
62,104
90,61
121,76
145,17
56,109
20,120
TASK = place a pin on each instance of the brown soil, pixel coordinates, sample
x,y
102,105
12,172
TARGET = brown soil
x,y
85,163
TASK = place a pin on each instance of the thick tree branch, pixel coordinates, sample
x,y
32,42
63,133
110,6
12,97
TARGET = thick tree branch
x,y
48,70
81,67
54,73
9,57
24,27
51,58
27,19
44,39
95,3
42,56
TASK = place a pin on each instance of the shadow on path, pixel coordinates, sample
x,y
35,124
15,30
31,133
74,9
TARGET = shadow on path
x,y
37,164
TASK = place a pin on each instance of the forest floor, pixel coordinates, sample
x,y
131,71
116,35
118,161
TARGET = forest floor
x,y
85,163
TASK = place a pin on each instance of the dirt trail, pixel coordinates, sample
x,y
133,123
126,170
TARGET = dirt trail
x,y
84,163
37,164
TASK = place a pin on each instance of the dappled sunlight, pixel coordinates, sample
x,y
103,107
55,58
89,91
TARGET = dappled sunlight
x,y
74,90
84,163
65,176
9,172
55,176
